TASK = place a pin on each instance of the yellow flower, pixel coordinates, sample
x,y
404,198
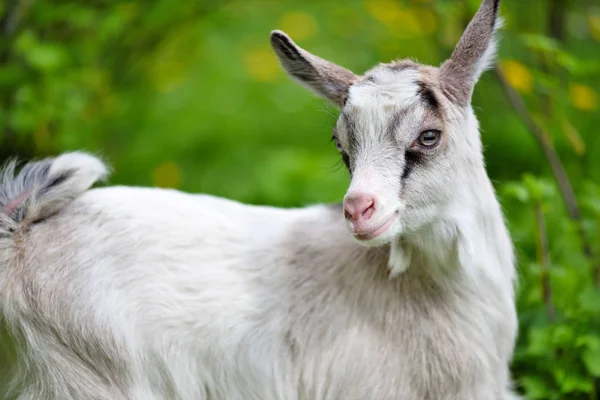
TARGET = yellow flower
x,y
594,23
573,136
261,64
517,75
299,25
582,97
166,175
403,22
384,10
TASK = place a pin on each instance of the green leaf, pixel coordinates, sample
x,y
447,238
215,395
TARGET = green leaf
x,y
516,190
540,42
589,300
563,335
589,341
591,359
531,182
540,341
572,382
46,57
535,387
25,41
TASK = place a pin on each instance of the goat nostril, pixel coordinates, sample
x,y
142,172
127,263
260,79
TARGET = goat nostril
x,y
368,212
359,207
347,214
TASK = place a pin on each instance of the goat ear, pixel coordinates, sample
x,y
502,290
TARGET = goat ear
x,y
474,53
326,79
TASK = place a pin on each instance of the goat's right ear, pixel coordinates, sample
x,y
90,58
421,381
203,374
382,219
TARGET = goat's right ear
x,y
326,79
473,54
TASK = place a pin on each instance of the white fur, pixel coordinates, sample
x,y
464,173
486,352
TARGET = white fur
x,y
400,258
195,297
489,57
393,89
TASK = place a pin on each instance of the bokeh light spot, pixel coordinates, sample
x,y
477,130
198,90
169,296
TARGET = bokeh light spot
x,y
594,24
261,64
403,22
166,175
384,10
582,97
517,75
299,25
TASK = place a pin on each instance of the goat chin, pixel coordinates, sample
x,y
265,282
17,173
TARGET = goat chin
x,y
134,293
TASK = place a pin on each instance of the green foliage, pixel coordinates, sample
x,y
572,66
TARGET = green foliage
x,y
188,95
558,355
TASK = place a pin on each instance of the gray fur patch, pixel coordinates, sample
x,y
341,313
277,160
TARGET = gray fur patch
x,y
17,190
42,188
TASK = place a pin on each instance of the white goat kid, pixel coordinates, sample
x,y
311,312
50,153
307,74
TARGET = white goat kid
x,y
140,294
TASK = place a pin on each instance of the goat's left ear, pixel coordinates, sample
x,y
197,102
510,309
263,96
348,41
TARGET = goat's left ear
x,y
322,77
473,54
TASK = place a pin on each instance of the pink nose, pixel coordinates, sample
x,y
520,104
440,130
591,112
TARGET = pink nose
x,y
359,206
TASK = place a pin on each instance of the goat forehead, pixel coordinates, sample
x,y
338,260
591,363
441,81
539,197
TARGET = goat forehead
x,y
385,88
383,110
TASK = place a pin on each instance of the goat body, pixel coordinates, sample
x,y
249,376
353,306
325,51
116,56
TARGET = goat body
x,y
133,293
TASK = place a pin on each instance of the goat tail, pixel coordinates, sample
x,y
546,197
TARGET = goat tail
x,y
43,188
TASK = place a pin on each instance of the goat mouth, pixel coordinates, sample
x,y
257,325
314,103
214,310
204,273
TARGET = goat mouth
x,y
372,234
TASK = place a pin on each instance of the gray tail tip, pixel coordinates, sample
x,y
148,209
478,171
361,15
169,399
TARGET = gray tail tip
x,y
43,188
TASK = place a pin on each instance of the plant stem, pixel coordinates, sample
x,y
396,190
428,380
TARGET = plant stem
x,y
544,260
558,170
541,137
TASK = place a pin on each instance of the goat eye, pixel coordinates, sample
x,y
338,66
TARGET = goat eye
x,y
429,138
338,145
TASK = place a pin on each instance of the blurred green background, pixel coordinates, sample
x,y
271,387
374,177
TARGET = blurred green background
x,y
187,94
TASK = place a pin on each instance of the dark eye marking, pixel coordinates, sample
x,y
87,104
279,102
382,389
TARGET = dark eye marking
x,y
411,159
418,152
338,146
346,160
350,125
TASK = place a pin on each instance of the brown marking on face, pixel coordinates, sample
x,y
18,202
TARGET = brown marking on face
x,y
430,77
